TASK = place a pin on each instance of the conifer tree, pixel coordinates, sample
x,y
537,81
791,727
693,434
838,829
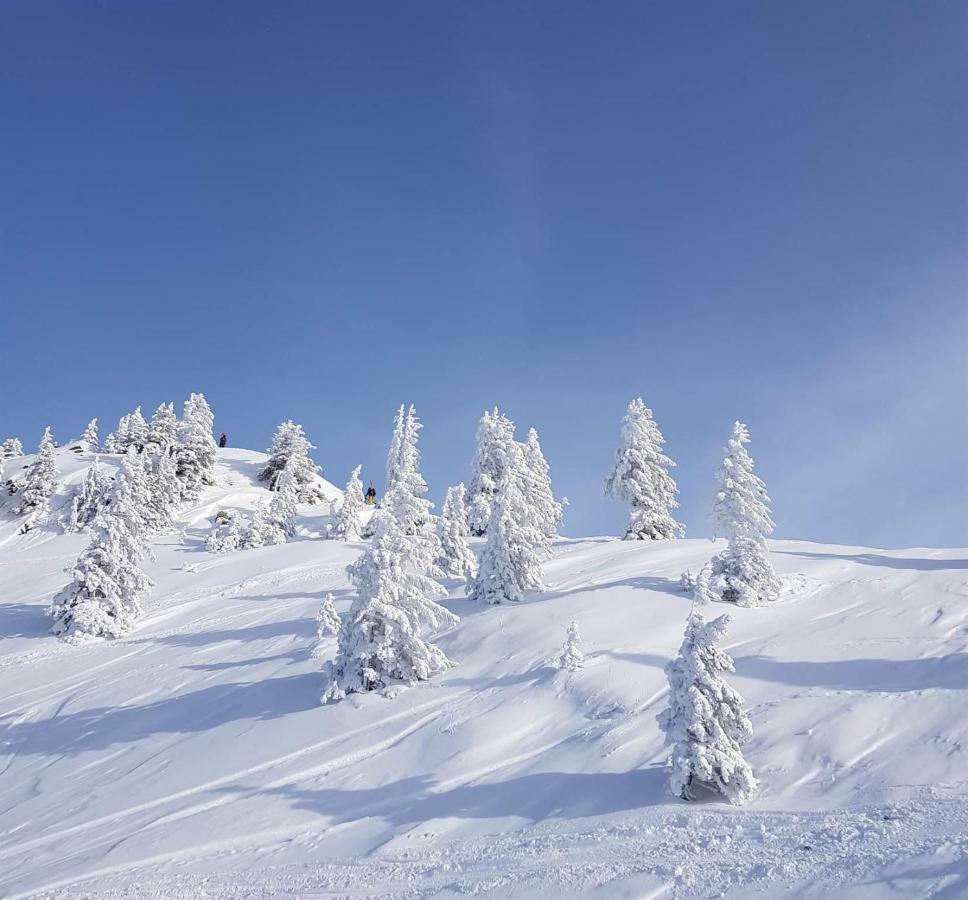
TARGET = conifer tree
x,y
395,453
107,585
328,624
641,478
511,560
40,483
455,559
290,443
253,535
545,510
11,448
381,643
117,441
226,535
495,434
88,499
137,433
88,442
571,657
164,488
163,428
283,507
742,573
705,723
195,450
347,526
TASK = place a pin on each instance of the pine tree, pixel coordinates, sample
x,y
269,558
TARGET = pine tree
x,y
11,448
253,535
290,443
195,450
347,526
742,573
164,488
395,453
107,586
455,559
226,534
163,428
137,433
39,484
88,500
88,442
545,510
328,624
404,498
706,724
283,507
381,643
495,435
511,560
117,441
640,477
571,657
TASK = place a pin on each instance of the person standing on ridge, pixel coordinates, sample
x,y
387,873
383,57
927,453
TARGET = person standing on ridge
x,y
223,440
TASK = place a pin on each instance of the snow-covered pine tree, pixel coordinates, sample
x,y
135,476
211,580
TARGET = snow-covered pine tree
x,y
40,483
706,724
291,443
195,450
641,478
404,498
545,510
455,559
88,442
283,508
88,499
226,534
11,448
571,657
687,582
495,434
163,428
742,573
108,585
394,454
511,560
347,525
163,486
328,625
117,441
253,535
381,642
137,430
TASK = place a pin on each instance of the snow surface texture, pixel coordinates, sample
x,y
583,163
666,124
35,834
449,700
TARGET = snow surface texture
x,y
192,759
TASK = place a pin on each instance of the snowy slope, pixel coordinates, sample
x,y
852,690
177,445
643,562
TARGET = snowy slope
x,y
192,758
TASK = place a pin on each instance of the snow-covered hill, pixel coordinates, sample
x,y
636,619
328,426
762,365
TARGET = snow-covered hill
x,y
192,758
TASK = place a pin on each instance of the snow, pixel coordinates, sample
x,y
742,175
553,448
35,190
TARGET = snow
x,y
192,758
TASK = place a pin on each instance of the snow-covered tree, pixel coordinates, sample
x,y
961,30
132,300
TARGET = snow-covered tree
x,y
328,625
495,434
11,448
226,533
164,488
88,442
687,582
347,526
395,453
455,559
545,510
163,428
382,642
254,533
137,430
107,585
742,573
117,440
706,723
87,501
40,483
641,478
405,495
511,560
283,508
195,450
571,657
290,443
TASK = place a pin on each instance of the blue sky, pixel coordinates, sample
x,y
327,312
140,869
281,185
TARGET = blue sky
x,y
320,210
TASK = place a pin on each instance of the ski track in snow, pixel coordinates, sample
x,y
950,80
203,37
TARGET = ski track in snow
x,y
191,759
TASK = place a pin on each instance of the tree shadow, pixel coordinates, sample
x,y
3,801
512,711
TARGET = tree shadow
x,y
893,675
637,582
197,711
920,564
642,659
24,620
534,797
305,627
292,656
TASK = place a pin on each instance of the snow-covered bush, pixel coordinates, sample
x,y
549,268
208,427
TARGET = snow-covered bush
x,y
571,657
11,448
39,484
687,582
495,435
226,533
87,500
641,478
291,444
195,448
742,573
347,525
328,625
455,559
107,585
706,723
381,642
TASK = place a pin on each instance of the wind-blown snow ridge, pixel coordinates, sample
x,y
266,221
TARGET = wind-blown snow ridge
x,y
192,758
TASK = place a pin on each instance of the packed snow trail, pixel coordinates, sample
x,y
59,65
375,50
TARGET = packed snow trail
x,y
192,757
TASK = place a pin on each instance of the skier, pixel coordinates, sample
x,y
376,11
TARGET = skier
x,y
371,496
223,440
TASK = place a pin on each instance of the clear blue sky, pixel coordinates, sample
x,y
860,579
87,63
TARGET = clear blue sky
x,y
319,210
